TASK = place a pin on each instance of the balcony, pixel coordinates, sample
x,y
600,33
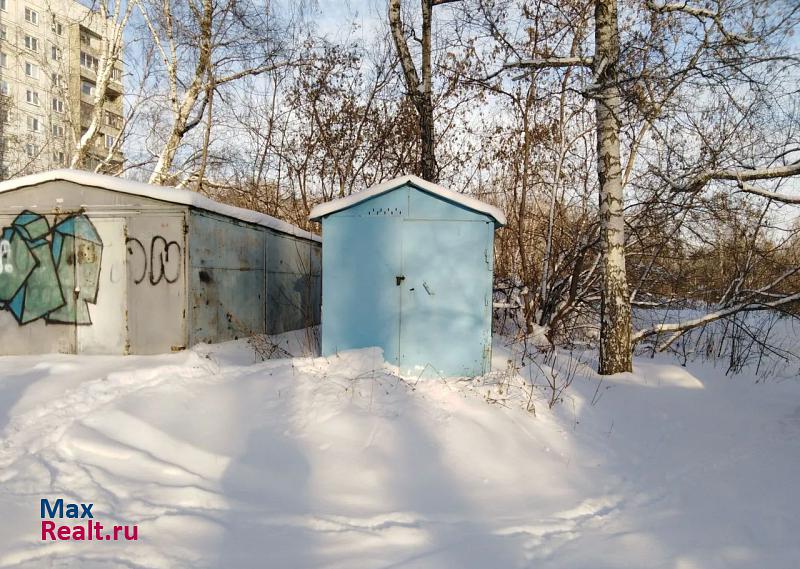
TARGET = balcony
x,y
111,120
87,110
114,86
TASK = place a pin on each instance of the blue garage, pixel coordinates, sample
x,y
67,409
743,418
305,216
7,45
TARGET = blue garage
x,y
407,266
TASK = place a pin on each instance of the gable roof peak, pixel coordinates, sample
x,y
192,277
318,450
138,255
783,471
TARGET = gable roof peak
x,y
327,208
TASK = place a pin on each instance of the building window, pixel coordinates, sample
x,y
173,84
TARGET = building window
x,y
3,59
85,39
31,150
59,158
58,28
55,53
88,88
109,141
3,6
88,61
113,120
56,79
31,43
31,16
4,88
58,105
5,115
3,32
31,70
58,130
33,124
32,97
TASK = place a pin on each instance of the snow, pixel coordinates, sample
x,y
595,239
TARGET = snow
x,y
225,461
327,208
162,193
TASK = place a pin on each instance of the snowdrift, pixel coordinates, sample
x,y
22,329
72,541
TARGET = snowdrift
x,y
223,461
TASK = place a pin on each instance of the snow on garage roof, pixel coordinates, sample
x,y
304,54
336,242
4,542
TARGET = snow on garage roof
x,y
161,193
468,202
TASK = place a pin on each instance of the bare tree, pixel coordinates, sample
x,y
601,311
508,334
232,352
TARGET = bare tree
x,y
299,135
419,84
112,19
540,139
615,311
615,308
204,47
634,89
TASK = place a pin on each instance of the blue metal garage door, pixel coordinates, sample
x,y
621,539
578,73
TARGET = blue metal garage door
x,y
445,305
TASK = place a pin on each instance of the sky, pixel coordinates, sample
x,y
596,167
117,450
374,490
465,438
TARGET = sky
x,y
335,17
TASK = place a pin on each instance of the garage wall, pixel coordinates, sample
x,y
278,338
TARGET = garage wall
x,y
156,281
294,283
79,294
226,278
65,255
28,270
245,279
411,273
108,272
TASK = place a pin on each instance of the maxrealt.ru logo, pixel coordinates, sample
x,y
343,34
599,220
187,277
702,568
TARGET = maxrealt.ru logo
x,y
88,530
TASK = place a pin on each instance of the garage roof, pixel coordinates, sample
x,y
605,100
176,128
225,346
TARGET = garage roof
x,y
161,193
464,200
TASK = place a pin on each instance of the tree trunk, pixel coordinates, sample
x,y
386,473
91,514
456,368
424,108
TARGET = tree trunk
x,y
529,298
420,88
428,167
615,307
182,109
176,134
425,107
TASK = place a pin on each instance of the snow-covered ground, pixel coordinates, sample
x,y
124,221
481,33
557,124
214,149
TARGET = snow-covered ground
x,y
225,462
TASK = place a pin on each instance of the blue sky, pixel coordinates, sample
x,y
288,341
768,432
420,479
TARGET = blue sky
x,y
334,17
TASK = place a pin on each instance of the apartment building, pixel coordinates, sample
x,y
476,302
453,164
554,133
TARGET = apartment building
x,y
49,58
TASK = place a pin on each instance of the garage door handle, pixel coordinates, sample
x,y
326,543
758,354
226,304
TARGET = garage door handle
x,y
399,279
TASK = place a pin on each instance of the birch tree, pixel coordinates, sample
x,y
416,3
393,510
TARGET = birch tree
x,y
419,83
615,309
112,18
203,47
634,91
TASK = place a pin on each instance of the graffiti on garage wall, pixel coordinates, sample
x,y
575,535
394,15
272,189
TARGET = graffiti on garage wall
x,y
161,261
50,273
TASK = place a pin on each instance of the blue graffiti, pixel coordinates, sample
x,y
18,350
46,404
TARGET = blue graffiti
x,y
50,273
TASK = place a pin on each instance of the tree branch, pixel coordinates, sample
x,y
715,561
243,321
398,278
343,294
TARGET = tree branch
x,y
747,305
775,196
741,176
702,14
406,62
550,62
261,69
